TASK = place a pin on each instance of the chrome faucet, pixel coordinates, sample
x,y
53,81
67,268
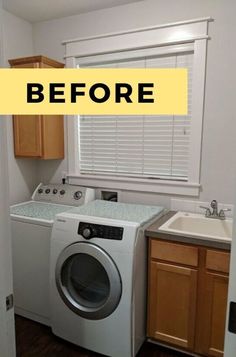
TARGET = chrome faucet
x,y
214,206
214,213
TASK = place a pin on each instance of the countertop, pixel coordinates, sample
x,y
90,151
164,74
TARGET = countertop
x,y
119,211
153,232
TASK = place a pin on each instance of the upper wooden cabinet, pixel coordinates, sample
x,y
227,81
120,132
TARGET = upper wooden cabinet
x,y
35,62
38,136
187,301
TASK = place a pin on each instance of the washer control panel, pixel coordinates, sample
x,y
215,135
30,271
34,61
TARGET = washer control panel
x,y
91,230
64,194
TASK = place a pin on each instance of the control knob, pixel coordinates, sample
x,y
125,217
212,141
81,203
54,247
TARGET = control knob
x,y
87,233
77,195
55,191
40,190
62,192
47,190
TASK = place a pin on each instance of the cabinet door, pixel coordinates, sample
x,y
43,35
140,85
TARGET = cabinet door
x,y
172,304
212,302
27,129
53,136
215,313
38,136
27,135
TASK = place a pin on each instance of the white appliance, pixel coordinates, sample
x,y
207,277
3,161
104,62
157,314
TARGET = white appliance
x,y
31,224
98,276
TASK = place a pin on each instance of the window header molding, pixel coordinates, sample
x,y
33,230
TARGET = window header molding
x,y
160,35
141,29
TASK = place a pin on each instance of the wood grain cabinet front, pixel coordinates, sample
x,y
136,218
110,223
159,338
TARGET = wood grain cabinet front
x,y
187,296
38,136
212,296
172,304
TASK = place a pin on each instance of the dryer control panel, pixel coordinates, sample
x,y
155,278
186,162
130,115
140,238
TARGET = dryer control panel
x,y
91,230
64,194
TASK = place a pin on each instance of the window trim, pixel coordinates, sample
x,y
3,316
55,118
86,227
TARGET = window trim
x,y
192,32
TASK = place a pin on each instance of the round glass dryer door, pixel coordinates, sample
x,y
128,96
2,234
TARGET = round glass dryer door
x,y
88,281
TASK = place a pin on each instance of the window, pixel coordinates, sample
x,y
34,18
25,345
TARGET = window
x,y
143,153
138,146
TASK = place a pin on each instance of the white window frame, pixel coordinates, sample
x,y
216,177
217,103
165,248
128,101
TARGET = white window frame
x,y
193,32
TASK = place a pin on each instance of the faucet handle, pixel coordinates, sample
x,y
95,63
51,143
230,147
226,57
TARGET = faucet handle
x,y
222,212
208,212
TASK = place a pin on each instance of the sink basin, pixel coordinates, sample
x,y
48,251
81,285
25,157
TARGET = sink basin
x,y
197,226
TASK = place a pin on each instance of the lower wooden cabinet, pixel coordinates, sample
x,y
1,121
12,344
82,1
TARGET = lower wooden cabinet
x,y
172,305
216,301
187,296
212,302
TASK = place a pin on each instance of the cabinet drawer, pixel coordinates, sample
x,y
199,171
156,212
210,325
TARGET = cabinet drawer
x,y
175,253
218,261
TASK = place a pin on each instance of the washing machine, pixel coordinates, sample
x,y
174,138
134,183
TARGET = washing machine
x,y
98,276
31,224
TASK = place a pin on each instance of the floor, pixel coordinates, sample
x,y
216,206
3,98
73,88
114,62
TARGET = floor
x,y
36,340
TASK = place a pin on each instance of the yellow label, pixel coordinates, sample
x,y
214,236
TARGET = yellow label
x,y
94,91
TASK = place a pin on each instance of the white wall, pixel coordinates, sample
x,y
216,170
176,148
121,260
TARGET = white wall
x,y
7,333
218,169
18,42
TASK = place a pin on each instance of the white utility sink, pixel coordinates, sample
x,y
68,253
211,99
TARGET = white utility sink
x,y
198,226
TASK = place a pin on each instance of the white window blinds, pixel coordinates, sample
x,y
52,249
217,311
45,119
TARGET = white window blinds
x,y
138,146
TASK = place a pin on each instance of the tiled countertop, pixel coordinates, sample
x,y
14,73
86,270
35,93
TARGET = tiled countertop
x,y
118,211
39,210
153,232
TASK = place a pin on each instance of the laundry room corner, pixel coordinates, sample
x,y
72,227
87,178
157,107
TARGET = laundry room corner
x,y
118,217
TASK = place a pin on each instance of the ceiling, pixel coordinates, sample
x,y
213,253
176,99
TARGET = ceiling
x,y
41,10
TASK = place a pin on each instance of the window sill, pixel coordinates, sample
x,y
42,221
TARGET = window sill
x,y
132,184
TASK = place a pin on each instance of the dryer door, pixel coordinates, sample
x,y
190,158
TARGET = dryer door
x,y
88,280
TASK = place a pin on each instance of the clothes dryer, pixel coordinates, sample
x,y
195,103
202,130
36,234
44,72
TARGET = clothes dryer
x,y
98,276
